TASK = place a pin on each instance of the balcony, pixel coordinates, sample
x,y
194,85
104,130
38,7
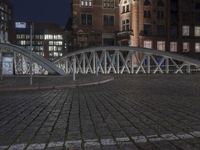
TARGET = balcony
x,y
124,34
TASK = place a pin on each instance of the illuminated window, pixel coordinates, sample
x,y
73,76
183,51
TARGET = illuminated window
x,y
186,47
23,36
86,3
60,37
18,36
55,54
37,37
185,30
59,48
48,37
58,42
125,25
161,45
39,42
108,3
41,37
197,47
50,42
23,42
173,46
52,48
197,31
148,44
27,36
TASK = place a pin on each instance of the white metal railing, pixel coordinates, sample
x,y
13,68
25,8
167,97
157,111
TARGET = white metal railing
x,y
119,60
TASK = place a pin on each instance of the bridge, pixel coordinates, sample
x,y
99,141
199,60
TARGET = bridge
x,y
22,60
130,60
103,60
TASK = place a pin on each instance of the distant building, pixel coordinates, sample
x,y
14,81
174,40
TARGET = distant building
x,y
48,40
165,25
6,16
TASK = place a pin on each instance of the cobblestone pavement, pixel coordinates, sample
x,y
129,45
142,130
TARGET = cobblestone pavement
x,y
160,112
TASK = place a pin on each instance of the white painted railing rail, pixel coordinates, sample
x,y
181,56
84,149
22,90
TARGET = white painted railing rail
x,y
119,60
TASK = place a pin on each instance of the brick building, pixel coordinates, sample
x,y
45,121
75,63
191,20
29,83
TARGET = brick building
x,y
166,25
48,39
95,22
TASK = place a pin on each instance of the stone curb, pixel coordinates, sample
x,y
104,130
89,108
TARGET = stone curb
x,y
56,86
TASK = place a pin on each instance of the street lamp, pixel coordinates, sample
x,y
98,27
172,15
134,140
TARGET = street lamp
x,y
31,49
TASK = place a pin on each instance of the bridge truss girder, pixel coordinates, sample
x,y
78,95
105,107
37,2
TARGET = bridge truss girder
x,y
119,60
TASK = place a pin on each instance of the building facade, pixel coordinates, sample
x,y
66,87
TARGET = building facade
x,y
95,22
48,40
166,25
6,16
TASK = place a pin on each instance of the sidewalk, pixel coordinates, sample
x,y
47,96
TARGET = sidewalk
x,y
19,83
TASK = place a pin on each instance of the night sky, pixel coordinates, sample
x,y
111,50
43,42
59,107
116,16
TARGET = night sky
x,y
42,10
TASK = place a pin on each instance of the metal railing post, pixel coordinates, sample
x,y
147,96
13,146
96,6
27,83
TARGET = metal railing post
x,y
74,68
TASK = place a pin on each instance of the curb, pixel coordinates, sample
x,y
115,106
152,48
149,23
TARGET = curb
x,y
57,86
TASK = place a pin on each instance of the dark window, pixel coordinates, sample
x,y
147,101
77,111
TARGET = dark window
x,y
147,29
197,5
160,30
108,3
147,14
125,25
160,14
86,19
197,17
160,3
174,5
173,31
108,20
108,41
124,9
147,2
127,8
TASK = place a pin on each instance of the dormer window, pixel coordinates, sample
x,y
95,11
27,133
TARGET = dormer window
x,y
86,3
108,3
125,7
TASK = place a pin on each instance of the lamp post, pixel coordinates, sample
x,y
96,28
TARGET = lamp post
x,y
31,49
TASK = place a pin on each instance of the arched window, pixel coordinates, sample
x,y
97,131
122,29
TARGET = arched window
x,y
126,7
147,2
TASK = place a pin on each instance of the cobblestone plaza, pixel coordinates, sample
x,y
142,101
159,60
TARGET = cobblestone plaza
x,y
143,112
